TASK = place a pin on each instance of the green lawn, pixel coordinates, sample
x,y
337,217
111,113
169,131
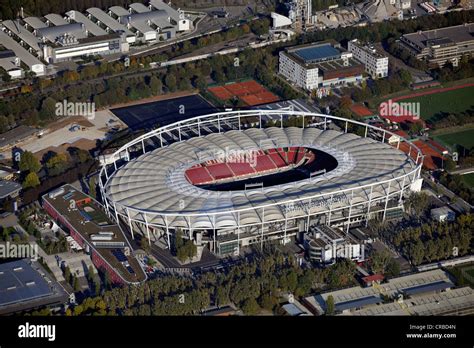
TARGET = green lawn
x,y
455,101
464,138
469,180
470,272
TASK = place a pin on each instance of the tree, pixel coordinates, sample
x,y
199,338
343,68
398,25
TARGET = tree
x,y
29,163
170,81
222,295
417,203
380,261
250,306
57,164
144,244
76,285
393,268
417,253
48,109
31,180
155,85
330,307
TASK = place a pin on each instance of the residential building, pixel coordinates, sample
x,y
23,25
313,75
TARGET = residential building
x,y
322,64
376,64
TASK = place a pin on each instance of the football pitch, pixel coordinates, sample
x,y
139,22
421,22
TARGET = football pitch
x,y
468,179
464,138
444,102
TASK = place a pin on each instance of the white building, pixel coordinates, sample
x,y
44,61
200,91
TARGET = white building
x,y
325,244
376,65
301,13
319,65
279,21
443,214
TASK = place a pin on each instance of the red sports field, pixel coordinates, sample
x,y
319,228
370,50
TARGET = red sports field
x,y
250,92
432,160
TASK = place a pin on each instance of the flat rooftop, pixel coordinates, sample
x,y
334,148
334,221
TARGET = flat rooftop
x,y
415,284
8,188
19,282
453,302
455,34
316,53
16,134
93,225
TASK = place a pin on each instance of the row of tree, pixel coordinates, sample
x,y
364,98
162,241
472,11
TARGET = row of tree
x,y
253,285
432,241
456,184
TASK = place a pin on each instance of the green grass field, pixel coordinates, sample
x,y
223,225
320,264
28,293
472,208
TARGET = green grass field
x,y
470,272
469,181
464,138
455,101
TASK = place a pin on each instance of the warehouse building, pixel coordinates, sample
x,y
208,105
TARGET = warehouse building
x,y
11,64
55,38
24,285
407,295
25,57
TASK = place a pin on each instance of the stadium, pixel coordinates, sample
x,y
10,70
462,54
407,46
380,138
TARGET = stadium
x,y
232,179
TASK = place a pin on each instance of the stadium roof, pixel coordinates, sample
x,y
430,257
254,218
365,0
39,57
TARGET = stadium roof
x,y
296,104
156,182
316,53
90,26
108,21
19,282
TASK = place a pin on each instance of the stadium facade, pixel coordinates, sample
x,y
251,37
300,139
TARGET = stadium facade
x,y
225,184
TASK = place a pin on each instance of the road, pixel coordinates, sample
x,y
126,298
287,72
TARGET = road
x,y
459,204
462,171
